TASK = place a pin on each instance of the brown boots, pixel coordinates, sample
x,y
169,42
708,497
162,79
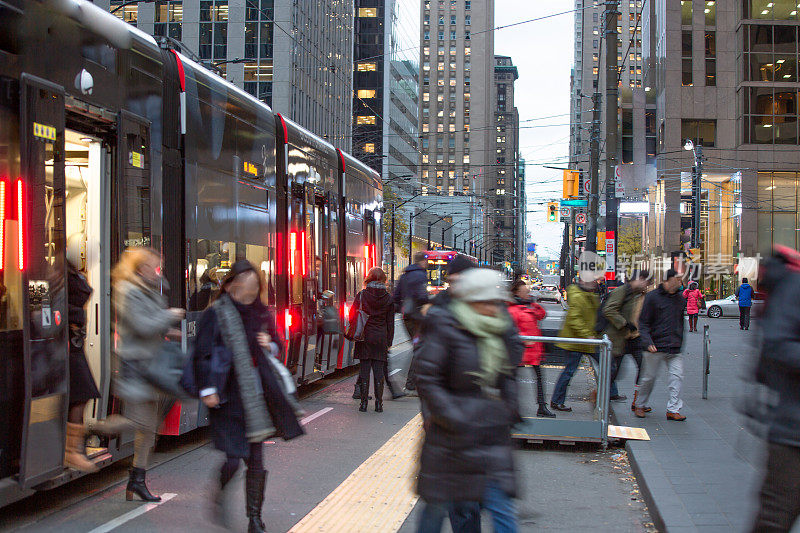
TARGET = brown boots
x,y
75,451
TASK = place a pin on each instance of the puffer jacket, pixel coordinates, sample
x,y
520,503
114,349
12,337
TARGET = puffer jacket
x,y
692,297
411,292
468,433
526,316
580,320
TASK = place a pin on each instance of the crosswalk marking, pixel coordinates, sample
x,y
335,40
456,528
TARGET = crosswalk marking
x,y
130,515
378,495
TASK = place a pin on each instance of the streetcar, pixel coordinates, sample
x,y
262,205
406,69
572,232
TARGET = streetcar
x,y
109,140
437,268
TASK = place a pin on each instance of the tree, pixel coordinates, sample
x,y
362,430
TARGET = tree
x,y
630,238
390,198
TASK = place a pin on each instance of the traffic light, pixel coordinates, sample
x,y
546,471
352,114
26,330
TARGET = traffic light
x,y
571,179
552,211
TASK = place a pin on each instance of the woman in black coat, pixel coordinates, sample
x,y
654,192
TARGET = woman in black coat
x,y
82,387
238,321
467,387
373,351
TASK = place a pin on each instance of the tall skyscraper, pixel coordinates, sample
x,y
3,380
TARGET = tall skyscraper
x,y
457,111
295,56
386,88
505,201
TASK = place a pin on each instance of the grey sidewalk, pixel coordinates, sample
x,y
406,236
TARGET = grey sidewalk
x,y
701,474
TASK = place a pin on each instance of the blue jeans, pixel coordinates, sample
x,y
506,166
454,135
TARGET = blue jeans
x,y
465,517
614,390
501,507
573,360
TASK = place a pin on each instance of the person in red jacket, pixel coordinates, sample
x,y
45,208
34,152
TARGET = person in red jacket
x,y
693,297
527,314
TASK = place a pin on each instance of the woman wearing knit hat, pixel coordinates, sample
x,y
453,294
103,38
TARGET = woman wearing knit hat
x,y
466,382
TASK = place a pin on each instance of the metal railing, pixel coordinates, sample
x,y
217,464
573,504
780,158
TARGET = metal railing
x,y
706,360
602,410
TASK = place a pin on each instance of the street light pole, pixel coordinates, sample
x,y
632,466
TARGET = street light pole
x,y
429,228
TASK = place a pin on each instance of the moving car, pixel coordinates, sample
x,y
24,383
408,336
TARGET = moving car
x,y
549,293
728,307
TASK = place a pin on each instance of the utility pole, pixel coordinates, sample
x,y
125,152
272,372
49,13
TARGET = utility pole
x,y
594,171
610,117
391,268
697,194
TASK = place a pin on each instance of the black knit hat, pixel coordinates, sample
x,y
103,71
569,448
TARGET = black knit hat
x,y
239,267
459,264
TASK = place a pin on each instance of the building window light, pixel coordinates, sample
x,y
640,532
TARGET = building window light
x,y
369,148
367,67
365,119
368,12
366,93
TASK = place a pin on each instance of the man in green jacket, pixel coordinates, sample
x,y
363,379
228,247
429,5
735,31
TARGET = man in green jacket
x,y
583,302
621,311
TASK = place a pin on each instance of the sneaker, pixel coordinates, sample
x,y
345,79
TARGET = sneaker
x,y
410,392
675,416
560,407
619,398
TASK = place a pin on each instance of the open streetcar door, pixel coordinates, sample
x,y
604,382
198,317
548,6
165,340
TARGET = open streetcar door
x,y
38,200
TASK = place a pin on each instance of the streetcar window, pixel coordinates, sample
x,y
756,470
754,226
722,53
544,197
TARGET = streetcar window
x,y
10,276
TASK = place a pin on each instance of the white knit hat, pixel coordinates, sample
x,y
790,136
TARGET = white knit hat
x,y
480,285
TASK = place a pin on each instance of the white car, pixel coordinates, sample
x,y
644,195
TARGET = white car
x,y
727,307
549,293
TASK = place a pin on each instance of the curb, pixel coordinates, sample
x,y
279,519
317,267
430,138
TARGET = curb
x,y
668,508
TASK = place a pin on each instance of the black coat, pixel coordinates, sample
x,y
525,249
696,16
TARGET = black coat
x,y
468,435
214,369
379,330
411,292
779,366
661,320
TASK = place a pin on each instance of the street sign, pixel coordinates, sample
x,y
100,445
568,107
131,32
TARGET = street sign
x,y
565,211
580,230
566,214
587,186
574,203
610,248
602,209
619,187
580,218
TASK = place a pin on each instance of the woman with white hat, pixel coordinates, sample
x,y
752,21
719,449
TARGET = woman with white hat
x,y
466,382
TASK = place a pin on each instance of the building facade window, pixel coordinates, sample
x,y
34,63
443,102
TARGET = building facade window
x,y
686,12
771,115
365,119
369,148
686,58
366,93
702,132
711,58
367,12
770,9
213,29
168,18
367,67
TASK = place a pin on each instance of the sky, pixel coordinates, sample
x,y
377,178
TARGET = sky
x,y
543,53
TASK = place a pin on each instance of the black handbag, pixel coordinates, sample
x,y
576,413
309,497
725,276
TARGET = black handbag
x,y
165,370
356,327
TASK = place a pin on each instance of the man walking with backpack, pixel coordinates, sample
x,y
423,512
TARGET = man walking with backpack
x,y
410,295
619,317
745,296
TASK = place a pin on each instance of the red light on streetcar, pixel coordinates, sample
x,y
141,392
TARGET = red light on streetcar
x,y
303,249
292,252
21,222
2,223
287,318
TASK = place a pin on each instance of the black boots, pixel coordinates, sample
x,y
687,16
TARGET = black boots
x,y
136,485
255,482
378,396
357,391
544,412
364,395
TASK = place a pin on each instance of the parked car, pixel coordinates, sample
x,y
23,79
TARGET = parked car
x,y
728,307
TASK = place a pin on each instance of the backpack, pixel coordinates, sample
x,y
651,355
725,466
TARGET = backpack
x,y
601,322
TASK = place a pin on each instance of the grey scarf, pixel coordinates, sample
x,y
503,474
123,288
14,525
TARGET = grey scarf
x,y
258,423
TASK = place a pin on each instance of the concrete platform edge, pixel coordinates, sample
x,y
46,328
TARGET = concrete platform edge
x,y
652,482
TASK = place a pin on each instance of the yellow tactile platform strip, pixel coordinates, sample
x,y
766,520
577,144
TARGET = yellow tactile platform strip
x,y
378,495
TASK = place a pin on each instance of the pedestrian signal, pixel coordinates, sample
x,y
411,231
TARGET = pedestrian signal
x,y
571,180
552,211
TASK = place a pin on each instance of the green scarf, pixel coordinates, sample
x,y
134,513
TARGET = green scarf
x,y
489,331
